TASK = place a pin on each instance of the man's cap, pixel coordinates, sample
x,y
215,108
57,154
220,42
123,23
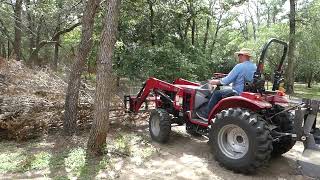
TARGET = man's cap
x,y
244,51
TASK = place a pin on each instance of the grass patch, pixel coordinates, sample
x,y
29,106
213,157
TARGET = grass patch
x,y
133,145
75,160
20,160
37,161
11,161
69,163
301,90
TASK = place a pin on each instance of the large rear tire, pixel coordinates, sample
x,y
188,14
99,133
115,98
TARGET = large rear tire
x,y
284,145
160,125
287,142
240,140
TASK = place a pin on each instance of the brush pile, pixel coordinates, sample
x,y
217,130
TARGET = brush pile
x,y
32,102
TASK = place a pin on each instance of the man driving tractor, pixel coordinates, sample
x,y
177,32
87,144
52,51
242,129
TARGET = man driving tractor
x,y
240,74
246,129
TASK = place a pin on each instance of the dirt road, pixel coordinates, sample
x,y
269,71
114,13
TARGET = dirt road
x,y
186,157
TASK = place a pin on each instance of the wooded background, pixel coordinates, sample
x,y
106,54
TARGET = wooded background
x,y
166,39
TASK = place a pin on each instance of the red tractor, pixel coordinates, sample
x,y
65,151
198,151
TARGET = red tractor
x,y
244,130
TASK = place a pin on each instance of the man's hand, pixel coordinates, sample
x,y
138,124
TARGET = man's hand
x,y
214,82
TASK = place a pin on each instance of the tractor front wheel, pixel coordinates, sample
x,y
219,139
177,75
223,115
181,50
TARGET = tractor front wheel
x,y
160,125
240,140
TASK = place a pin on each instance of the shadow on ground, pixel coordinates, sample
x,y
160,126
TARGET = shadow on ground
x,y
187,157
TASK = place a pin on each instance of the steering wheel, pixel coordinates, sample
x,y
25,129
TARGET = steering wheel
x,y
209,86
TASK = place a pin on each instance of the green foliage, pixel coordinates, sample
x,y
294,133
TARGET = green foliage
x,y
163,62
184,45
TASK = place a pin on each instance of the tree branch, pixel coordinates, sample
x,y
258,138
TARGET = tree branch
x,y
53,39
63,31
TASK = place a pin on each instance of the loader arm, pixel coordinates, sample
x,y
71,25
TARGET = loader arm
x,y
157,86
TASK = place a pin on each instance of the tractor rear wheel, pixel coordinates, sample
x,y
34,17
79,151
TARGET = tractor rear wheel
x,y
284,145
240,140
160,125
287,142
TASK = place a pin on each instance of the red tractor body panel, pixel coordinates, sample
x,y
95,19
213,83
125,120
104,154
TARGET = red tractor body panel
x,y
251,101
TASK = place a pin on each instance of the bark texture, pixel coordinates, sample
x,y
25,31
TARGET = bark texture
x,y
151,19
292,46
30,26
17,29
205,40
72,96
57,39
193,30
104,85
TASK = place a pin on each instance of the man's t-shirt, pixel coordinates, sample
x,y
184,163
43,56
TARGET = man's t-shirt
x,y
239,74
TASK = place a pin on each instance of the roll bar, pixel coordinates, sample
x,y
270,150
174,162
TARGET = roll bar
x,y
264,52
278,72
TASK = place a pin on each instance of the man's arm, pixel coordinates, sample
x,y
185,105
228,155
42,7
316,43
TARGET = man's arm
x,y
231,77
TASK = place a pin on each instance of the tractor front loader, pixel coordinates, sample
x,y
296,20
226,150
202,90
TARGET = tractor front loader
x,y
244,130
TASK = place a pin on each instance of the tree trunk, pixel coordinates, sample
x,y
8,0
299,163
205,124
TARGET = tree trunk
x,y
30,27
1,51
310,76
17,29
186,29
72,94
34,56
205,40
274,14
214,40
268,16
4,52
151,18
99,128
8,48
291,51
57,39
193,30
56,55
254,29
258,14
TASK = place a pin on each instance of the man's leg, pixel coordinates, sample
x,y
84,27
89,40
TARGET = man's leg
x,y
215,98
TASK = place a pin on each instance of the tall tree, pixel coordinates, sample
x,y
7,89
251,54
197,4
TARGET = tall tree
x,y
17,29
57,39
151,19
99,128
208,22
292,46
30,26
72,96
